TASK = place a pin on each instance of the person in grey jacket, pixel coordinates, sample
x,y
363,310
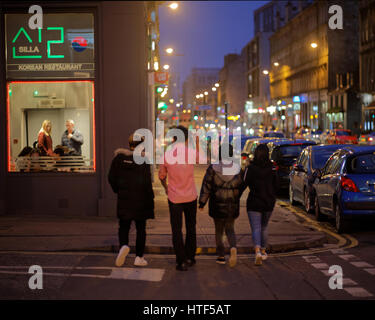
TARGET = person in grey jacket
x,y
224,192
72,139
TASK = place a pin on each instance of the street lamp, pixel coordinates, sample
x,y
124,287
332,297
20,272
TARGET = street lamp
x,y
173,5
265,72
314,45
214,89
206,93
217,85
169,50
166,67
276,64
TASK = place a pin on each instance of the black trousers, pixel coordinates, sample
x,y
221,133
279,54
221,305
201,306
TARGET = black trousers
x,y
187,251
123,234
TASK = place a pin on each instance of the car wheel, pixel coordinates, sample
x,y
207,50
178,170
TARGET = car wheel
x,y
341,224
318,215
307,201
291,196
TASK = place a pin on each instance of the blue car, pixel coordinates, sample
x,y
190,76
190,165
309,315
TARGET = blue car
x,y
304,172
345,187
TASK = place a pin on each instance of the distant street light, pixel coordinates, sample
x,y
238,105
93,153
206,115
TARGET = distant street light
x,y
265,72
217,85
214,89
169,50
197,96
166,67
276,64
206,93
314,45
173,5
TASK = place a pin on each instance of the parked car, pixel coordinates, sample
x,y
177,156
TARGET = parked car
x,y
341,136
243,140
301,132
273,134
345,187
284,153
324,136
367,139
314,135
304,172
247,154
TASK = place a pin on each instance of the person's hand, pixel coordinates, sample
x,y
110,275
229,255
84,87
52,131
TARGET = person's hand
x,y
70,135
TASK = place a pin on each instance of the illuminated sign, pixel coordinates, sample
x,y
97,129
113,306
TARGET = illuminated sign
x,y
64,48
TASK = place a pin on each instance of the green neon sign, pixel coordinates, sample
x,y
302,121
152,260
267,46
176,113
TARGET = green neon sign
x,y
49,55
49,43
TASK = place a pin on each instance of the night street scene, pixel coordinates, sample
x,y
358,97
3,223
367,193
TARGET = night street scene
x,y
186,156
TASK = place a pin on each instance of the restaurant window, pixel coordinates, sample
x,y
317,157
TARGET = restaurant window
x,y
51,93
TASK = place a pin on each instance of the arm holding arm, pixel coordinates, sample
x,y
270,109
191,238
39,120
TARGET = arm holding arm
x,y
206,187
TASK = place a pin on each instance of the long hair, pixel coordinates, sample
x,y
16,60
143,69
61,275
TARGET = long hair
x,y
44,127
261,156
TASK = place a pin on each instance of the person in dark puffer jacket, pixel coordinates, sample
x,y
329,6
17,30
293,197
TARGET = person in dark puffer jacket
x,y
224,192
262,180
135,200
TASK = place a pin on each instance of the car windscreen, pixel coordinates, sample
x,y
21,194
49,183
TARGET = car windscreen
x,y
343,133
291,151
364,163
320,157
274,135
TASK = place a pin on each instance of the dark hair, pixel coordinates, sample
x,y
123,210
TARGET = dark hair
x,y
25,151
225,146
261,155
134,143
185,131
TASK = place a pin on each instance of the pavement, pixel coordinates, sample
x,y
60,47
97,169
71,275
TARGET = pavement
x,y
287,232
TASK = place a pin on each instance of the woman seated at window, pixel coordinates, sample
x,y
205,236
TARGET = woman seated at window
x,y
45,140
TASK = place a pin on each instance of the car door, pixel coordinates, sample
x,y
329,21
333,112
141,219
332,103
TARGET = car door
x,y
324,201
298,183
334,180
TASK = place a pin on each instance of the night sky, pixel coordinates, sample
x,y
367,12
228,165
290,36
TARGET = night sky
x,y
205,31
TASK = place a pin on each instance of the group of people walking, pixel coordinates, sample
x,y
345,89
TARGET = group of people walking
x,y
133,185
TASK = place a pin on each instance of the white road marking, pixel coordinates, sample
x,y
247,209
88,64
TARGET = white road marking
x,y
141,274
362,264
311,259
370,271
349,282
348,257
339,251
320,266
358,292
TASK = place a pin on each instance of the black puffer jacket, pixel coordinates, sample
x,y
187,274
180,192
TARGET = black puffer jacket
x,y
224,192
132,183
262,181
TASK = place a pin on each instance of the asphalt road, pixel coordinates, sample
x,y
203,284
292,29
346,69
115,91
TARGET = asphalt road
x,y
284,276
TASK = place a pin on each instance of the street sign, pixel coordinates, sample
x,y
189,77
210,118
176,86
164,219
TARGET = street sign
x,y
161,77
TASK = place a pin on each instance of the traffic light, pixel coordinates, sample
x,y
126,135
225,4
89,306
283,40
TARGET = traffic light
x,y
159,89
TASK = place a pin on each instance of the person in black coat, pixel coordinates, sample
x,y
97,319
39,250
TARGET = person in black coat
x,y
224,192
135,200
262,180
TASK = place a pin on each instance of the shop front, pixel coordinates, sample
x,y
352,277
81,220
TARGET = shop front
x,y
67,92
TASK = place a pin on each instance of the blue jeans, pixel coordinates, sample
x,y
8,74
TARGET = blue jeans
x,y
259,223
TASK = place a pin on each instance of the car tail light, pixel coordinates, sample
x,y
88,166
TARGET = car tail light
x,y
244,157
275,165
348,185
370,139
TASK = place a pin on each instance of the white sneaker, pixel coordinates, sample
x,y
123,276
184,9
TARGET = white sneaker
x,y
120,260
233,257
264,256
258,259
140,262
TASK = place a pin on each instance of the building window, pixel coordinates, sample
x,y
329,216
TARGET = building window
x,y
50,86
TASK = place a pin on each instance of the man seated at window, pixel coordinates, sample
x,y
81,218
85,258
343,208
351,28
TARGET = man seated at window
x,y
72,139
